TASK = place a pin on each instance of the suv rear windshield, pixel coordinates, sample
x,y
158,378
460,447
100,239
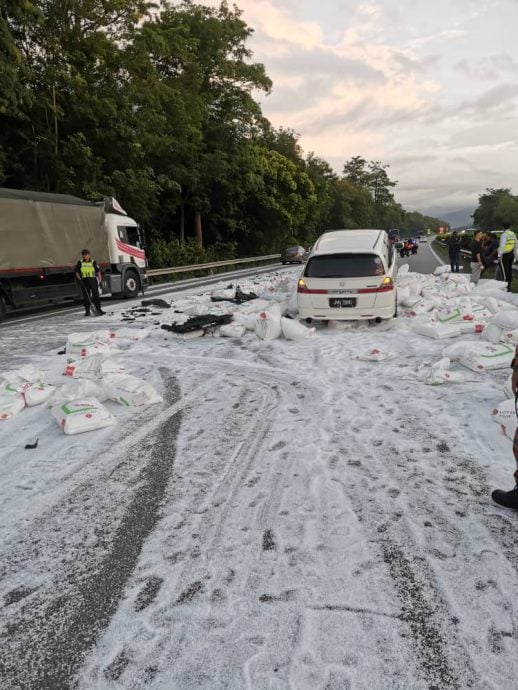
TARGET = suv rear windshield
x,y
344,266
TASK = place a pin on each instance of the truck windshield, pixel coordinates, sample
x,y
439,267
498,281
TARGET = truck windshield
x,y
344,266
130,234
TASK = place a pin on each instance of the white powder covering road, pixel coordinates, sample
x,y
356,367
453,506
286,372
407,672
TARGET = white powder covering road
x,y
326,523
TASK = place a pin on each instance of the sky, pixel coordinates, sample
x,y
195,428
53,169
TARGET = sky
x,y
296,514
430,89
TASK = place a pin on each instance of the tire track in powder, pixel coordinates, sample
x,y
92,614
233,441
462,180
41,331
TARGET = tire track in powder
x,y
45,645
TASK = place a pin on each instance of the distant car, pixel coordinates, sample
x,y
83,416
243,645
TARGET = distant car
x,y
306,254
293,255
423,238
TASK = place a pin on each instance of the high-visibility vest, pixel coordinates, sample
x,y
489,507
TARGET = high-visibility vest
x,y
88,269
510,241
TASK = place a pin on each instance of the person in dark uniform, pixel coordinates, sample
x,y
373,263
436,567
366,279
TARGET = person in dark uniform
x,y
89,275
454,251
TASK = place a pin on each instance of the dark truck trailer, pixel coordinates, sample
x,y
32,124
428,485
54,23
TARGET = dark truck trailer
x,y
41,238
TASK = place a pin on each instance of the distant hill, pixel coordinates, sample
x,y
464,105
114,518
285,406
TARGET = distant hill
x,y
456,219
459,219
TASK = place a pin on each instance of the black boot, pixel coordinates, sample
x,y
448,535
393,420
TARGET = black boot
x,y
87,312
508,499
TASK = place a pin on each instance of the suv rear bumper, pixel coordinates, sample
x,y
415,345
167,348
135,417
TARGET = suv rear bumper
x,y
347,314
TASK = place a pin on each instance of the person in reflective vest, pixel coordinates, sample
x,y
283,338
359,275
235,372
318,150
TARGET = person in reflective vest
x,y
89,275
506,251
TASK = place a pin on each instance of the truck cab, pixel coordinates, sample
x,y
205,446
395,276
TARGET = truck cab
x,y
127,273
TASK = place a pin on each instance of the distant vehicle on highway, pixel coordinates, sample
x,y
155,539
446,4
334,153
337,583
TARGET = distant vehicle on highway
x,y
393,234
293,255
407,247
423,238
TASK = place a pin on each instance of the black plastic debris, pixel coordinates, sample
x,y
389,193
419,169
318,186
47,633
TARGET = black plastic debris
x,y
244,296
196,323
238,298
31,446
155,302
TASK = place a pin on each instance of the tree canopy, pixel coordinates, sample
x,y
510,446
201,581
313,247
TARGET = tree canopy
x,y
155,103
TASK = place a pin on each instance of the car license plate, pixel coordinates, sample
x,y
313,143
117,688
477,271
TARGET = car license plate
x,y
338,302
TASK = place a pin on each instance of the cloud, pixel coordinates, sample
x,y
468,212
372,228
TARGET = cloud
x,y
418,87
488,68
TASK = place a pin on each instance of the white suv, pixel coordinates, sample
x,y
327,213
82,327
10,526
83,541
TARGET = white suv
x,y
349,275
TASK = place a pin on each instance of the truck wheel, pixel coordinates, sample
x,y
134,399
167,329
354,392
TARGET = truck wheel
x,y
131,285
2,308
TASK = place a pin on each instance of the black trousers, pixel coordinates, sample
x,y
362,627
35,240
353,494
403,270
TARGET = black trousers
x,y
507,263
90,288
454,260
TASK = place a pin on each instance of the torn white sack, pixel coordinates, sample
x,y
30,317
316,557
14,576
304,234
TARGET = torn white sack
x,y
268,323
79,388
85,414
232,330
434,329
93,367
10,404
130,390
487,356
294,330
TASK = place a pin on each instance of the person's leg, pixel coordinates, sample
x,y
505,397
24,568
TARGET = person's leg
x,y
95,295
86,298
475,272
509,499
507,260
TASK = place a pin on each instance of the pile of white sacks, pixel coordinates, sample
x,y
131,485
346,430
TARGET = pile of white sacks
x,y
268,316
448,306
95,376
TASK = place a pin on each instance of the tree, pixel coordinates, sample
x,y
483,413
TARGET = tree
x,y
280,199
373,177
495,207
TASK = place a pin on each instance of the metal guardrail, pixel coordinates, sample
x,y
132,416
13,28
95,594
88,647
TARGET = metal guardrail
x,y
213,264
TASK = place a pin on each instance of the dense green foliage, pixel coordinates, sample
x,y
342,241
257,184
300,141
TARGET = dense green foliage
x,y
154,103
496,206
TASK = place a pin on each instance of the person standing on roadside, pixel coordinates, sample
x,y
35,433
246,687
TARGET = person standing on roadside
x,y
89,275
454,251
490,252
506,253
509,499
476,257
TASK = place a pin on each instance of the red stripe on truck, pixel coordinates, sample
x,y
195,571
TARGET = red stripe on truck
x,y
129,249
